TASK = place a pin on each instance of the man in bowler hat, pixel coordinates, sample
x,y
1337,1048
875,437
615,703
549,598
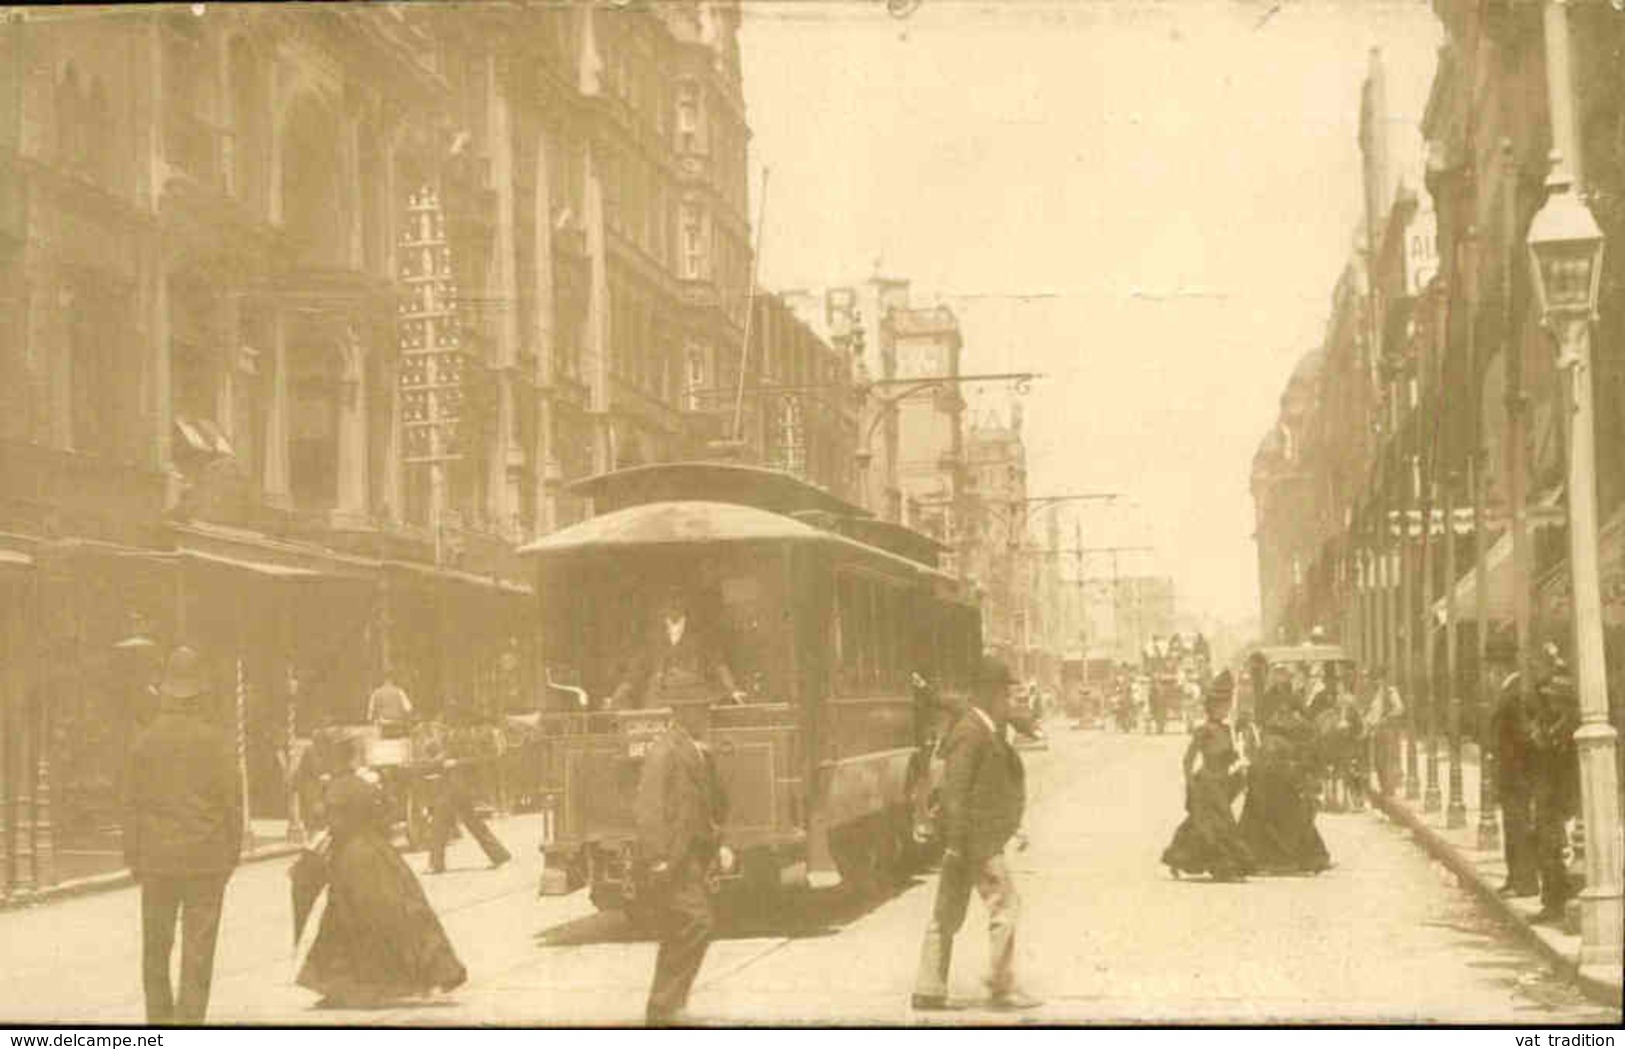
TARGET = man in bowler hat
x,y
983,799
183,831
679,812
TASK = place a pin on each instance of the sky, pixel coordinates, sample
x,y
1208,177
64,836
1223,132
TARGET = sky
x,y
1147,202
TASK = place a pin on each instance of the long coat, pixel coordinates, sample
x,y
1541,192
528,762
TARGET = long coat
x,y
680,805
984,789
183,800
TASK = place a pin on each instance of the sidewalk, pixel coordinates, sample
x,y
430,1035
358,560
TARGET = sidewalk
x,y
269,841
1484,871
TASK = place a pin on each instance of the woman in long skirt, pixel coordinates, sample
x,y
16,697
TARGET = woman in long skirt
x,y
1278,819
379,939
1209,842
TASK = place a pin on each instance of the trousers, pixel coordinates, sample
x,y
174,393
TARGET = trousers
x,y
1551,835
991,879
196,900
683,919
451,807
1518,841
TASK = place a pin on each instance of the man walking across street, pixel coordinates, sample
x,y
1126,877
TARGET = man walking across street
x,y
984,796
183,831
679,812
452,805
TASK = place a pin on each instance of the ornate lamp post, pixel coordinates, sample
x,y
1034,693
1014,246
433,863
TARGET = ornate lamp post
x,y
1565,248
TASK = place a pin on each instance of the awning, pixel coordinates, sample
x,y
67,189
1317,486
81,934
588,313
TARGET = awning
x,y
430,573
1555,591
263,568
267,556
15,559
1501,590
1545,511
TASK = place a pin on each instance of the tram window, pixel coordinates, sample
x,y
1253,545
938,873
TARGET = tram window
x,y
754,646
855,618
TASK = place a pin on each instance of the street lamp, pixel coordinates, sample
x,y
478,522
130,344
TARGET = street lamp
x,y
1565,249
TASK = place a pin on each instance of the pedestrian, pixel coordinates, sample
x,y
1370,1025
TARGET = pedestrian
x,y
1383,717
1556,768
679,813
390,709
1355,775
983,802
1515,788
452,805
1208,841
378,939
1278,817
183,834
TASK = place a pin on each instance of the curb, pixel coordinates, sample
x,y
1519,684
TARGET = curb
x,y
121,879
1468,874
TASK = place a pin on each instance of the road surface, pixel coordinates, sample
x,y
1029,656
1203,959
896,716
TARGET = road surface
x,y
1106,936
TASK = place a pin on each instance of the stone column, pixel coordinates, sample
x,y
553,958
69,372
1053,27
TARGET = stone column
x,y
275,480
502,490
352,426
544,459
163,397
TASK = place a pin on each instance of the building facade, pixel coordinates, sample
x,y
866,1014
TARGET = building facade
x,y
307,317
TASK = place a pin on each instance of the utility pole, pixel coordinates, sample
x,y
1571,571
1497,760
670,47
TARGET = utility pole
x,y
1114,551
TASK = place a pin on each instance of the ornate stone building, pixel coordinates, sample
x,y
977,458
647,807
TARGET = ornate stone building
x,y
307,314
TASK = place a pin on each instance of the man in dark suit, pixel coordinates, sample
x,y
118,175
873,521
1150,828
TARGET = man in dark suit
x,y
183,830
983,799
679,812
681,660
1555,766
1514,783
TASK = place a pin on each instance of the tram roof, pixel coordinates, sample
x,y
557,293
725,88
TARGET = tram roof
x,y
683,522
750,486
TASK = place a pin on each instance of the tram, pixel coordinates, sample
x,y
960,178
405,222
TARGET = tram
x,y
851,648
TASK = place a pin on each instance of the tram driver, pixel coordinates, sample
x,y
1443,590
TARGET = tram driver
x,y
680,659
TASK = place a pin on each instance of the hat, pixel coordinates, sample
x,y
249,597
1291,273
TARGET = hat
x,y
183,674
994,672
1221,689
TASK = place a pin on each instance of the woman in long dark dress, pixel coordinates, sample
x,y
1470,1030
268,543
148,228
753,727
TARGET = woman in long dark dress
x,y
1278,818
379,939
1208,841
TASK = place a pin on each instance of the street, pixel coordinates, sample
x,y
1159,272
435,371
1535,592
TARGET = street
x,y
1106,936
